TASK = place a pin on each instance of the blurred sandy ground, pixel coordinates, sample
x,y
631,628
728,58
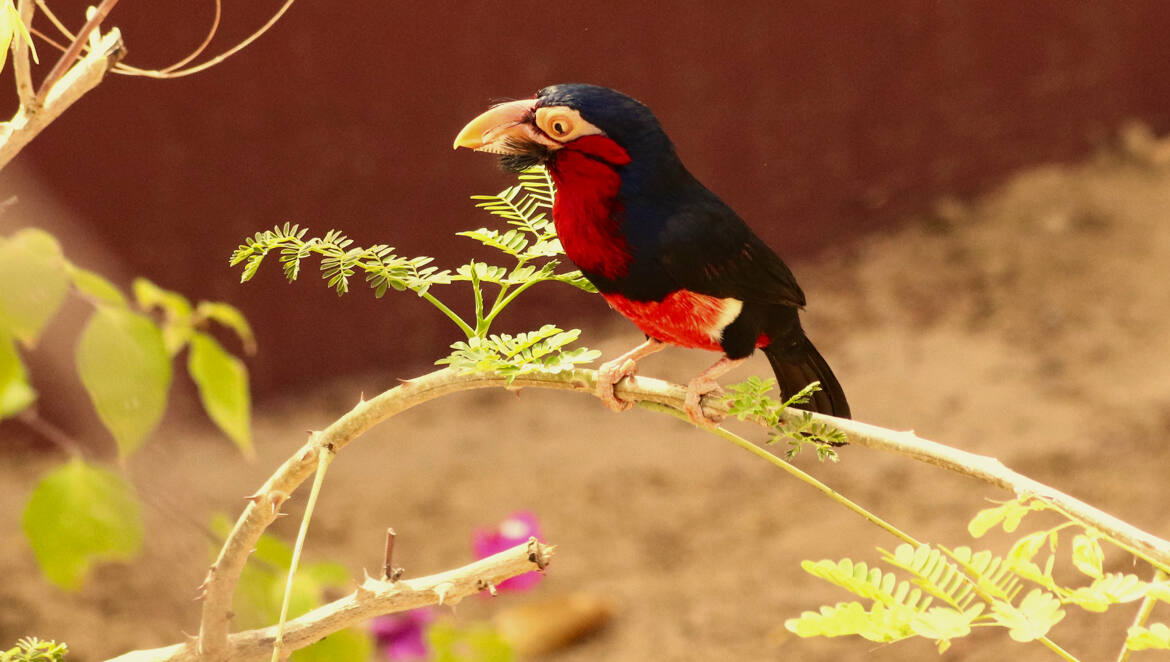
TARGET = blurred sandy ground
x,y
1032,324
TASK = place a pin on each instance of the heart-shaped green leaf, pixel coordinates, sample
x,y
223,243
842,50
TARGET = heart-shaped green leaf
x,y
80,514
126,370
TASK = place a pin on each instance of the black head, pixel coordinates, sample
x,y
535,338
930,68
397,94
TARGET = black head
x,y
527,132
627,121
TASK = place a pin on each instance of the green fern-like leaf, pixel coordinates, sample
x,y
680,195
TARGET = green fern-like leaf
x,y
750,400
992,574
942,624
1032,618
878,623
526,204
531,241
577,280
1009,513
869,583
1109,589
898,611
512,242
31,649
543,350
1154,637
484,273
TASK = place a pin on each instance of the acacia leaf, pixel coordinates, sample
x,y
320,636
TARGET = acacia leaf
x,y
1156,636
1087,555
1032,618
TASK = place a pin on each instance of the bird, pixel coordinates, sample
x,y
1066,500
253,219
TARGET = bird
x,y
664,251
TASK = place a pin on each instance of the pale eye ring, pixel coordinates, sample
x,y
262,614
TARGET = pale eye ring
x,y
560,127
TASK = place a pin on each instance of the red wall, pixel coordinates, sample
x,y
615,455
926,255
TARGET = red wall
x,y
815,120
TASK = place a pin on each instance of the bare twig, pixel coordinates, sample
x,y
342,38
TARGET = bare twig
x,y
83,77
204,44
389,572
48,12
70,56
373,597
172,72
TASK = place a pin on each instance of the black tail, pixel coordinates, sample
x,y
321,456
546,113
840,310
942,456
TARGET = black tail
x,y
798,364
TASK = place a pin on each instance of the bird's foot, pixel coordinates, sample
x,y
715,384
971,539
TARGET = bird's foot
x,y
693,405
608,375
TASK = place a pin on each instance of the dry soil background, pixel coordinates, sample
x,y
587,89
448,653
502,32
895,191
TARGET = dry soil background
x,y
1032,324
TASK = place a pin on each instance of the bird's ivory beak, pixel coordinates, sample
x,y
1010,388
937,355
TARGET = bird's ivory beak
x,y
489,131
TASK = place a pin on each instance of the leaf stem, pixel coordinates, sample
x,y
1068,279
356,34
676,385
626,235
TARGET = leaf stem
x,y
477,290
502,302
463,326
791,469
324,457
1055,648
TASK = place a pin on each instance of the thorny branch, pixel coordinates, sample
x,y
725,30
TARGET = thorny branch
x,y
221,581
372,598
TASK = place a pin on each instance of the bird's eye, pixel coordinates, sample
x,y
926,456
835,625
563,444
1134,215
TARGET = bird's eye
x,y
562,125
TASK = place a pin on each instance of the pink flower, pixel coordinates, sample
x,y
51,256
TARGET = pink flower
x,y
517,529
401,636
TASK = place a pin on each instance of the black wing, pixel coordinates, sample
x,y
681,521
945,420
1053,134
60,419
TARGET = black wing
x,y
707,248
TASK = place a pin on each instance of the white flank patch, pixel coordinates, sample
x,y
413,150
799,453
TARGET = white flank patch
x,y
730,311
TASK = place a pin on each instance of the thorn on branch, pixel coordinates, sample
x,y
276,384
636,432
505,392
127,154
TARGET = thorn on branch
x,y
486,585
277,498
442,590
201,590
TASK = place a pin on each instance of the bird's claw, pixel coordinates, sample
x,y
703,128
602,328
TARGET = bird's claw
x,y
693,405
608,375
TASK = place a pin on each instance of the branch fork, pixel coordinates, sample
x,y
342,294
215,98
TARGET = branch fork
x,y
68,81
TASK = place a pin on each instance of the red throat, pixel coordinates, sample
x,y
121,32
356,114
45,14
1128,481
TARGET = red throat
x,y
586,211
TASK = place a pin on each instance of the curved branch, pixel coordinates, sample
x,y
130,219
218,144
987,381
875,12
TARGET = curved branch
x,y
221,580
373,597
